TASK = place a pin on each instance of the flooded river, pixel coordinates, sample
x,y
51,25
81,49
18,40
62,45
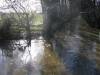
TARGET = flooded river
x,y
72,56
69,44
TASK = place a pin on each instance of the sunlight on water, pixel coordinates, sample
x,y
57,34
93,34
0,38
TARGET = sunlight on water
x,y
23,63
35,52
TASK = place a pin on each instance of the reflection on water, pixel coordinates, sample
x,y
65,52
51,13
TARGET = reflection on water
x,y
23,63
70,56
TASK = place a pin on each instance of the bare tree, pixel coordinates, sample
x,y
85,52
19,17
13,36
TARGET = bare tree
x,y
18,7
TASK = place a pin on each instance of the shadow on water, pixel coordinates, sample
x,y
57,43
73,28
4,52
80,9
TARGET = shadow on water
x,y
77,54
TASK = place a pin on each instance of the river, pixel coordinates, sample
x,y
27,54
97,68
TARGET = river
x,y
73,55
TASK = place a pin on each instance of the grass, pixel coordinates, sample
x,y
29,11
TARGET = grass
x,y
38,19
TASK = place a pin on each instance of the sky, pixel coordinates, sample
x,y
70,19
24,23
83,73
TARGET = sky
x,y
30,5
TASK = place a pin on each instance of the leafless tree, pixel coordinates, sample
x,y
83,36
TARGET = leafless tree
x,y
18,7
